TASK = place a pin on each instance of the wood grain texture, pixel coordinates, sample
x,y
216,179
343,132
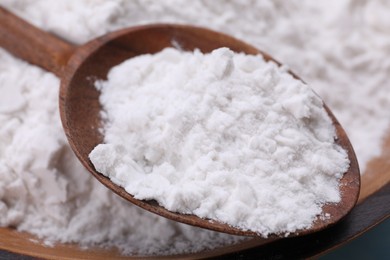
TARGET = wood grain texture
x,y
377,174
79,99
88,65
370,212
32,44
364,216
80,108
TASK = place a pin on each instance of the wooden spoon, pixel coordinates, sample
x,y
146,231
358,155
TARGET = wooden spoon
x,y
79,67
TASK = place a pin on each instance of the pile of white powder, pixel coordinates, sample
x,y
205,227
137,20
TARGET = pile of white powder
x,y
339,46
224,136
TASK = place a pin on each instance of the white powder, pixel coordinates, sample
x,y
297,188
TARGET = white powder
x,y
339,46
224,136
45,190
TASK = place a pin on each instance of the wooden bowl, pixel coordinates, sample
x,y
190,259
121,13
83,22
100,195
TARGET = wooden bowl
x,y
375,186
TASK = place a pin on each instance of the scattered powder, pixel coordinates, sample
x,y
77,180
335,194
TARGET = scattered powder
x,y
224,136
339,46
45,190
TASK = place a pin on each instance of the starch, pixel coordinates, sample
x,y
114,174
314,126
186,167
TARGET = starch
x,y
224,136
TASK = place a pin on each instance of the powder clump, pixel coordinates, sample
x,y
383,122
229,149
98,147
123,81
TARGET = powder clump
x,y
339,46
225,136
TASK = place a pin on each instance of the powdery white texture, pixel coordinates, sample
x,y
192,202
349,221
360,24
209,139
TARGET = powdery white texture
x,y
339,46
224,136
44,190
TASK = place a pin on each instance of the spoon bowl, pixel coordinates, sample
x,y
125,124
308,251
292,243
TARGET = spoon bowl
x,y
80,66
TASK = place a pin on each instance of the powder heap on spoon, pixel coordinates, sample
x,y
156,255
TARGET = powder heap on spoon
x,y
225,136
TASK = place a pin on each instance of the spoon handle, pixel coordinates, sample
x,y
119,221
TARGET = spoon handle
x,y
32,44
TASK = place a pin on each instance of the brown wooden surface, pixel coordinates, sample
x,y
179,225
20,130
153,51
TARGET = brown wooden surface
x,y
373,207
90,66
364,216
32,44
79,99
80,108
